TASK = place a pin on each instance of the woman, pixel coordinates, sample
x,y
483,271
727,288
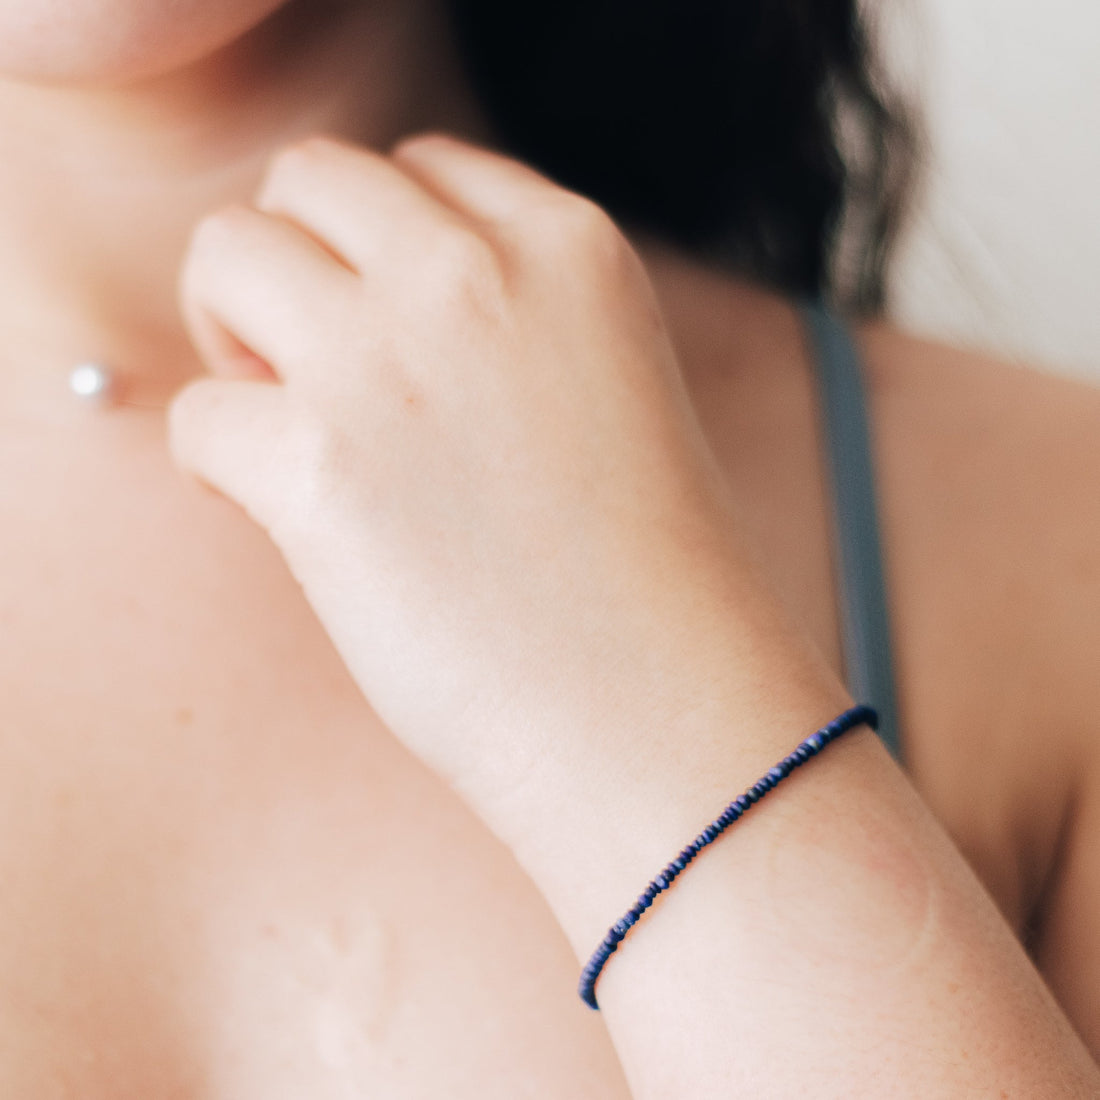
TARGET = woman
x,y
225,876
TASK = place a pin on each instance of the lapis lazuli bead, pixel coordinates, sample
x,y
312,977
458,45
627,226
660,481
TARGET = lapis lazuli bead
x,y
812,745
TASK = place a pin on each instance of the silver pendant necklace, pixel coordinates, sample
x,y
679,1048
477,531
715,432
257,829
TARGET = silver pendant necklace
x,y
93,383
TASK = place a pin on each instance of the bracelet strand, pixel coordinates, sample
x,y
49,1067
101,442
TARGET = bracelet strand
x,y
855,716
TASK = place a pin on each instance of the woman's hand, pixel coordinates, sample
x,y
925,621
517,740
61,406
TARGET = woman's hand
x,y
478,456
448,396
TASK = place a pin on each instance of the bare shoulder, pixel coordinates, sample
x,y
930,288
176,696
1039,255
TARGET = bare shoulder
x,y
987,479
998,466
991,400
987,485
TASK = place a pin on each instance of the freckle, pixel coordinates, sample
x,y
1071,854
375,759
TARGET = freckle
x,y
184,715
269,932
952,987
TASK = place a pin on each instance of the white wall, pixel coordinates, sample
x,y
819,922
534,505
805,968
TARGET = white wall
x,y
1004,251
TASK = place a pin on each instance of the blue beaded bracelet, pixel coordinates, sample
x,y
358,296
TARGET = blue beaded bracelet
x,y
856,716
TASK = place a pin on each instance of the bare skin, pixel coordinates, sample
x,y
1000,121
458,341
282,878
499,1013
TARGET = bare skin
x,y
224,878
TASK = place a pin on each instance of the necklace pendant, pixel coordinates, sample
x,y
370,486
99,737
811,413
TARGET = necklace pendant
x,y
93,383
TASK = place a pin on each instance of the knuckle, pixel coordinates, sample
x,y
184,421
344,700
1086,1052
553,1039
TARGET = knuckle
x,y
580,219
208,239
460,259
217,229
285,171
424,141
582,231
212,237
297,164
460,250
307,151
572,226
587,212
427,145
317,146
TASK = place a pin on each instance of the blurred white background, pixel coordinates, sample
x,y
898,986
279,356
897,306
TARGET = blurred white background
x,y
1004,250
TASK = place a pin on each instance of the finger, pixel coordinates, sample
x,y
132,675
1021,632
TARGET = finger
x,y
487,186
222,352
364,207
232,434
254,283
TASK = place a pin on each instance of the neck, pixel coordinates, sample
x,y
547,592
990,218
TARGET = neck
x,y
101,186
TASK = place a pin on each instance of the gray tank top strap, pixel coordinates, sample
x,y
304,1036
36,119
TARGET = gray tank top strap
x,y
864,613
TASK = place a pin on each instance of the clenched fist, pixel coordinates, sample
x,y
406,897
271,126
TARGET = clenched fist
x,y
444,388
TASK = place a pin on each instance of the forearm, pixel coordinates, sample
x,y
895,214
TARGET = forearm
x,y
510,522
833,942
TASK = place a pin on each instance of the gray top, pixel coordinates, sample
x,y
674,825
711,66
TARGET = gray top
x,y
864,612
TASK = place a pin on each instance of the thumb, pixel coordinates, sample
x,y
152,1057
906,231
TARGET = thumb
x,y
230,433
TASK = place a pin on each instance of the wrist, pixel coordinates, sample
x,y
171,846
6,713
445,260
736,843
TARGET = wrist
x,y
620,785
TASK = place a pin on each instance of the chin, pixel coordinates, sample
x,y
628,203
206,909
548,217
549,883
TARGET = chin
x,y
114,42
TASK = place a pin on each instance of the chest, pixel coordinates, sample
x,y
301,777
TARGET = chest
x,y
220,872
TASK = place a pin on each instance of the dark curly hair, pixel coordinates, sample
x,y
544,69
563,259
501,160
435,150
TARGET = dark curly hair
x,y
755,133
